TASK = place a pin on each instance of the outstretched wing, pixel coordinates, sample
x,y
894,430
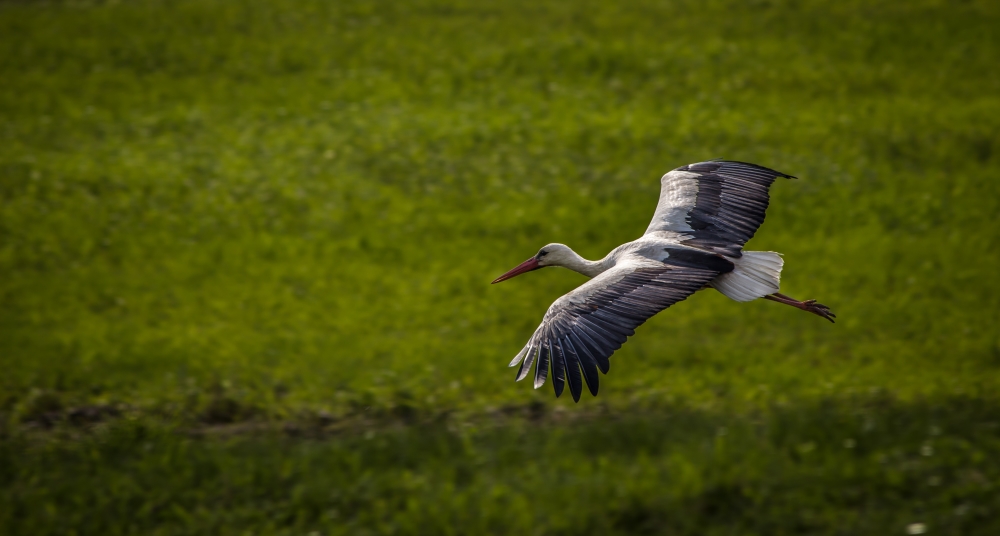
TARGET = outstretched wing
x,y
582,329
718,204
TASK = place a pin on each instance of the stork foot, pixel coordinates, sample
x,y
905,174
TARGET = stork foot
x,y
818,309
810,306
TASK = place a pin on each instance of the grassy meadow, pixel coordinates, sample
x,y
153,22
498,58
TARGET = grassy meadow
x,y
246,247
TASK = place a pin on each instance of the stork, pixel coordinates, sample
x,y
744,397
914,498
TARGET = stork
x,y
706,213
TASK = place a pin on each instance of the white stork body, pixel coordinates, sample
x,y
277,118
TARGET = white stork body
x,y
706,212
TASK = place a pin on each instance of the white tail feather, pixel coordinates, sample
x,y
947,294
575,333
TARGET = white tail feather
x,y
757,274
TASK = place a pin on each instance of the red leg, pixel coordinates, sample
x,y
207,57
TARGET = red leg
x,y
809,305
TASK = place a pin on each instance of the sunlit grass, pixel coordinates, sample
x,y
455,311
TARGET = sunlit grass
x,y
289,212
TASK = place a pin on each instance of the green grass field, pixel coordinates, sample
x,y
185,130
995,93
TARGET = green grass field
x,y
246,247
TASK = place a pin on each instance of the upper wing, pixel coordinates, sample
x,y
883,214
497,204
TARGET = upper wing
x,y
583,328
719,204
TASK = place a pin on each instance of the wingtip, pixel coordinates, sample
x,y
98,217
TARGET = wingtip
x,y
519,357
522,373
727,161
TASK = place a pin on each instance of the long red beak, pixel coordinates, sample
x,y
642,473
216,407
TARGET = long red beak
x,y
526,266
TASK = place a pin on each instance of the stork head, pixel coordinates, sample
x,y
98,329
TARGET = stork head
x,y
550,255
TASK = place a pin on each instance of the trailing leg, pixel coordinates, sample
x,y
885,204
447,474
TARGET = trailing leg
x,y
809,305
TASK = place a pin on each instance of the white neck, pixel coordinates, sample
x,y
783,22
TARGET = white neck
x,y
578,264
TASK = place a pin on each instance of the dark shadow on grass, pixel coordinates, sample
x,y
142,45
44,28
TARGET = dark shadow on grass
x,y
868,465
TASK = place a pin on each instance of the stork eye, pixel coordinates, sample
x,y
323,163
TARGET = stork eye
x,y
542,253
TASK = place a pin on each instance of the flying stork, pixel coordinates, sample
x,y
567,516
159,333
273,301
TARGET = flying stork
x,y
706,213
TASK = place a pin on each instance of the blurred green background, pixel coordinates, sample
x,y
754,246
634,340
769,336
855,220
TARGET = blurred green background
x,y
246,246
